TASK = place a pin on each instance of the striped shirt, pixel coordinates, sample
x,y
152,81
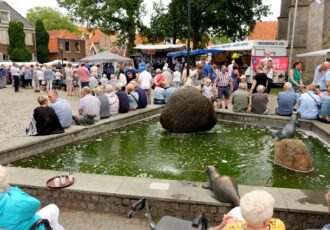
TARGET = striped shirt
x,y
222,80
90,105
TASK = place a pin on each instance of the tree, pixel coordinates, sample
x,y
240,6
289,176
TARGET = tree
x,y
210,18
52,19
17,49
111,16
42,39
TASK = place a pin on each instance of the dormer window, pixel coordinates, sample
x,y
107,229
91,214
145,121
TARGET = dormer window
x,y
4,17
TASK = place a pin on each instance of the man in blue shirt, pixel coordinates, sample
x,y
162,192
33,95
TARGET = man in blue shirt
x,y
286,101
62,108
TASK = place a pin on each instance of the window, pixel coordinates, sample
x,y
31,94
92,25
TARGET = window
x,y
67,47
4,17
77,46
73,60
28,39
4,37
5,57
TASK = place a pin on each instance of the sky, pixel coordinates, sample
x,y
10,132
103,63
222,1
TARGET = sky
x,y
24,5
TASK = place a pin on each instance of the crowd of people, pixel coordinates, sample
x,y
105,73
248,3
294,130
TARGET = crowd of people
x,y
111,90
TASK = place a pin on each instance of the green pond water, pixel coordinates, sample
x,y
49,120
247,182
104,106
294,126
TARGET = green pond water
x,y
145,149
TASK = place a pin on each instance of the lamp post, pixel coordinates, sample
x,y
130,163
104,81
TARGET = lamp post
x,y
293,33
61,51
188,36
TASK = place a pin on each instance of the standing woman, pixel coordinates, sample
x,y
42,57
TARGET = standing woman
x,y
235,77
69,78
295,76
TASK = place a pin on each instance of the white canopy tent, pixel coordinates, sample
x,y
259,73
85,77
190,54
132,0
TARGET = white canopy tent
x,y
55,62
104,57
160,48
315,53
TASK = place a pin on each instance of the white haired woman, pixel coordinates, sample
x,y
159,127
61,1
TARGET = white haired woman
x,y
113,99
19,210
259,101
257,210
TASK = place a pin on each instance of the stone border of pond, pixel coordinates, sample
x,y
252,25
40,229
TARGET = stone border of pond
x,y
299,209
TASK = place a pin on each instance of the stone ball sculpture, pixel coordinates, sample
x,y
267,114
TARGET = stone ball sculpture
x,y
293,154
188,111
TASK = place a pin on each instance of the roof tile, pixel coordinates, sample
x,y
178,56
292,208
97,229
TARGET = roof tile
x,y
264,31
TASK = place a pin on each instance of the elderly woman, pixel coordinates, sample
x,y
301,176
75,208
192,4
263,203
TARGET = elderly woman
x,y
324,114
113,99
256,208
104,107
309,103
46,119
133,97
259,100
19,210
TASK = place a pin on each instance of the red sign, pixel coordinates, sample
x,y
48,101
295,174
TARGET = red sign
x,y
279,63
151,52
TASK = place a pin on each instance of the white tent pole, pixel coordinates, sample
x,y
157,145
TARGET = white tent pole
x,y
293,33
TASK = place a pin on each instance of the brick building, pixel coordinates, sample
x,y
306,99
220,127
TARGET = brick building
x,y
63,43
97,41
7,14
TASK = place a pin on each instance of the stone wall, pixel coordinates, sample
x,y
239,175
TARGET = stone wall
x,y
120,206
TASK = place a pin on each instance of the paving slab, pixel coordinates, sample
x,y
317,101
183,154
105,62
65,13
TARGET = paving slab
x,y
177,190
86,220
298,200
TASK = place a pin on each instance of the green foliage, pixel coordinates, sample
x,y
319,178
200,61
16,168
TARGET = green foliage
x,y
42,39
52,19
111,16
209,18
17,49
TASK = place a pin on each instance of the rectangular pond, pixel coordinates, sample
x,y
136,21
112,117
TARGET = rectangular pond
x,y
145,149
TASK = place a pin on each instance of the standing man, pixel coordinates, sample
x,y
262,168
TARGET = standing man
x,y
61,107
15,73
168,76
320,75
224,86
270,75
145,81
83,75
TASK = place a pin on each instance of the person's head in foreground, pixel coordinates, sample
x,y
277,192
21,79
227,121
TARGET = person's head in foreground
x,y
287,86
86,90
43,100
257,208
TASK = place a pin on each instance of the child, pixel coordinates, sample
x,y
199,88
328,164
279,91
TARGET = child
x,y
93,82
177,77
75,83
207,89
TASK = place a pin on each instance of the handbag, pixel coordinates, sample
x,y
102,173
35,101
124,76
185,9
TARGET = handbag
x,y
31,130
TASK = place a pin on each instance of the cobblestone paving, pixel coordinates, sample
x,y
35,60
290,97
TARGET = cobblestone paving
x,y
78,220
17,110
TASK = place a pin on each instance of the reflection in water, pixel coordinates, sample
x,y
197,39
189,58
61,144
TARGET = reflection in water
x,y
146,150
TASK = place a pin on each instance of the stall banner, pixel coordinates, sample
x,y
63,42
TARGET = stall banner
x,y
279,63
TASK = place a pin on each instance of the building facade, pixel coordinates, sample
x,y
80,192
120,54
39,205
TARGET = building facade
x,y
96,41
312,30
7,14
65,45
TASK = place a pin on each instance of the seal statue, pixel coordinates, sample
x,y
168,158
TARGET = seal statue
x,y
288,130
224,188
